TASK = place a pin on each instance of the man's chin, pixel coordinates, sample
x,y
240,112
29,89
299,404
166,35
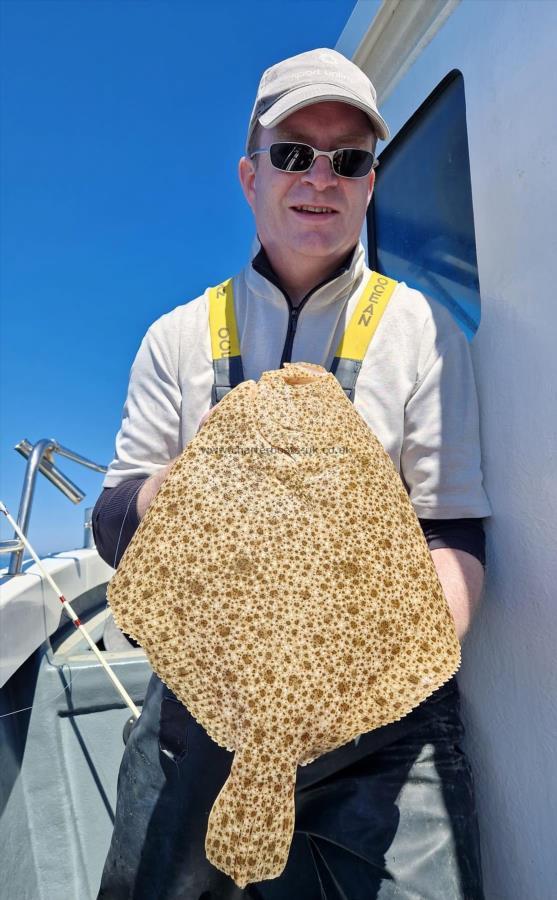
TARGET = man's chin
x,y
313,246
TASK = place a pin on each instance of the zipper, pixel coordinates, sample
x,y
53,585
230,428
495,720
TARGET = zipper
x,y
295,315
294,312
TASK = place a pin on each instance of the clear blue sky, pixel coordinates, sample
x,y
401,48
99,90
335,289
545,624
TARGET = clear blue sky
x,y
122,124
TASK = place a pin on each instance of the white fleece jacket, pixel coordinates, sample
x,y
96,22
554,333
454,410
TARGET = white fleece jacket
x,y
416,387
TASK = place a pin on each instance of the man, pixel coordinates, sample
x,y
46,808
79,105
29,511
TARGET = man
x,y
392,814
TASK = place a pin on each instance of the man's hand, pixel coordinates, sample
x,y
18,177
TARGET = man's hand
x,y
150,487
152,484
205,416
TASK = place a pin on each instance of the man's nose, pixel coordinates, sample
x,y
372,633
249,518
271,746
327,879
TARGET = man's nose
x,y
320,174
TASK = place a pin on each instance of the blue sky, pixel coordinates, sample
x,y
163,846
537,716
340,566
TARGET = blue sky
x,y
122,124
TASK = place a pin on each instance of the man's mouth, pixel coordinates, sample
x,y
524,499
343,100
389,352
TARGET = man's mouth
x,y
314,210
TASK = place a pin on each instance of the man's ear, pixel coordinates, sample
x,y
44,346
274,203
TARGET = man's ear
x,y
246,174
371,185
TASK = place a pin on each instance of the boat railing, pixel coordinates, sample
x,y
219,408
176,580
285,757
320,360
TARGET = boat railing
x,y
40,459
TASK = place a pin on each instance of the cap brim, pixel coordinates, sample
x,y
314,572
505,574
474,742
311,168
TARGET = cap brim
x,y
318,93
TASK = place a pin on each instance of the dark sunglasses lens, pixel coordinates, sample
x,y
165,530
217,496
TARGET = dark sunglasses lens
x,y
353,163
291,157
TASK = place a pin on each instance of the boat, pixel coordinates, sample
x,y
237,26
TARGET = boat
x,y
464,210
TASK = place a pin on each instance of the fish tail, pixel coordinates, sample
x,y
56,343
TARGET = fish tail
x,y
252,820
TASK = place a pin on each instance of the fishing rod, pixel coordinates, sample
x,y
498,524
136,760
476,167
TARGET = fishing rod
x,y
75,619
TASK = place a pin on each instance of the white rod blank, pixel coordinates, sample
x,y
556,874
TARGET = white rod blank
x,y
75,619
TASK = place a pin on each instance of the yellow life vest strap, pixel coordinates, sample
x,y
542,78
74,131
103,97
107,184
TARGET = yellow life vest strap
x,y
225,345
363,323
351,350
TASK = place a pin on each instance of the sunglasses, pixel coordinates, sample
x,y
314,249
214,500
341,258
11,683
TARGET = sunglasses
x,y
292,156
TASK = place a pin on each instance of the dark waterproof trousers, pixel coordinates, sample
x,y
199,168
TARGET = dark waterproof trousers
x,y
391,817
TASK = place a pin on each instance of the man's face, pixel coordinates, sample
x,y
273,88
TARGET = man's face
x,y
276,197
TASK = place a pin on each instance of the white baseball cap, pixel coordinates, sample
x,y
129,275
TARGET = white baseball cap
x,y
313,77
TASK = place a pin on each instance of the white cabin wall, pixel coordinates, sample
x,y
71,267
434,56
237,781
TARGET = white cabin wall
x,y
508,678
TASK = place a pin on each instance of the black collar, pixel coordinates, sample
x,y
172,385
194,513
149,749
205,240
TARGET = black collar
x,y
262,265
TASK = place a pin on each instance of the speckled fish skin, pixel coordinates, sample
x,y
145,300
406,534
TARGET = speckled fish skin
x,y
282,587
